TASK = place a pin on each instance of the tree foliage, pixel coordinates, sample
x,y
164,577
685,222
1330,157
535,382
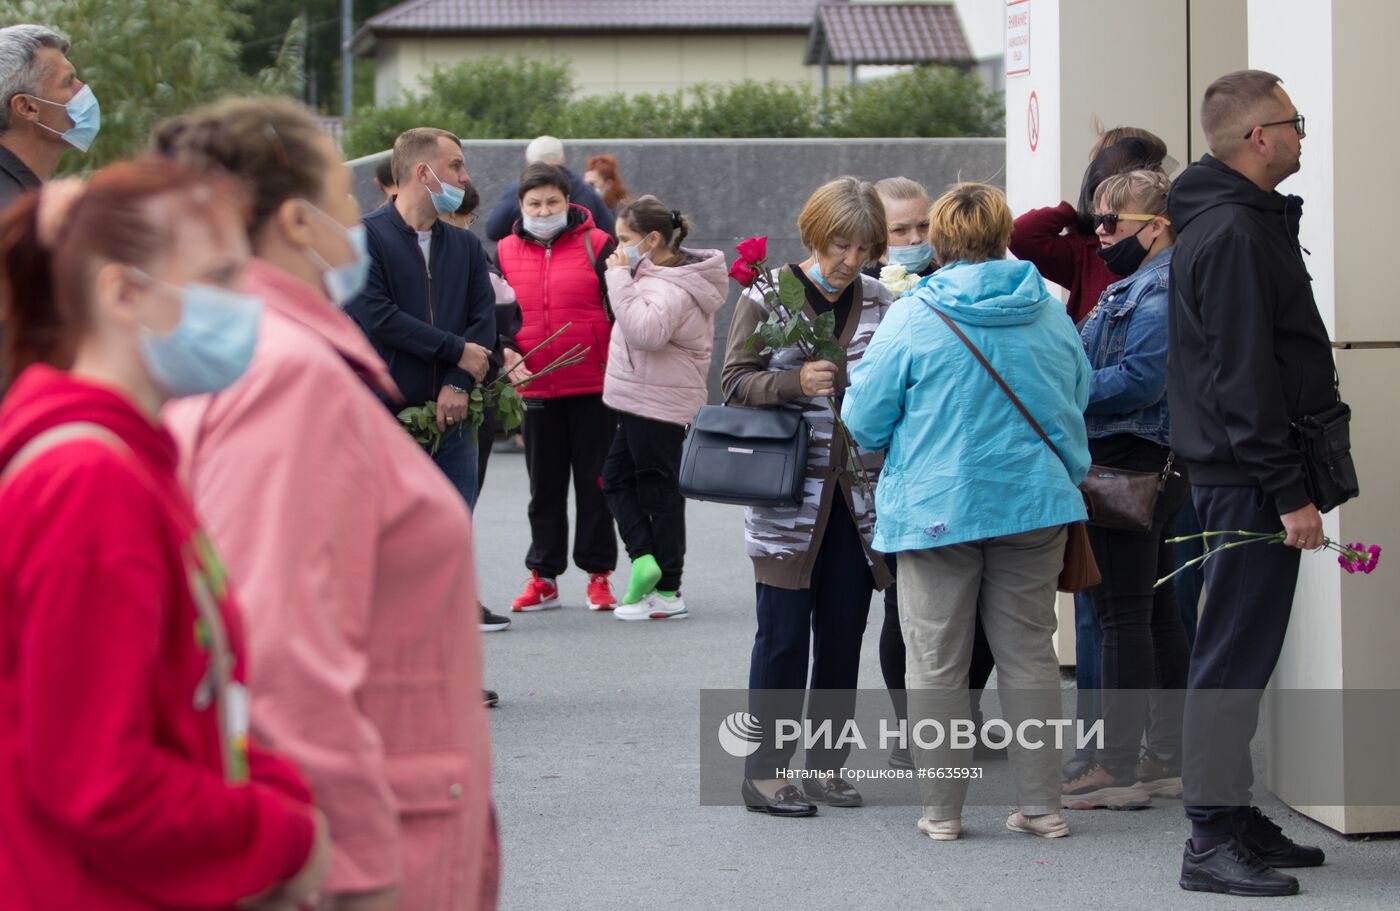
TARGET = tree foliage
x,y
489,98
520,97
924,101
148,61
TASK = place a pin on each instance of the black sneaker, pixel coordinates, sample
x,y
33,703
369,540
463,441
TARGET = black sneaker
x,y
1264,837
492,623
1232,869
490,698
900,758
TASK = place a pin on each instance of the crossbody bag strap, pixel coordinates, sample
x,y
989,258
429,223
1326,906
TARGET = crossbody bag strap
x,y
57,436
981,359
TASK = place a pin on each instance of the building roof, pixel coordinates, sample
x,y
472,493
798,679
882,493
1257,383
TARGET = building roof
x,y
889,33
477,16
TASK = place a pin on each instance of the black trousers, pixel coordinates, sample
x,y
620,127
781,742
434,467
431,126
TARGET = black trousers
x,y
569,437
1144,643
827,621
892,656
641,481
1249,596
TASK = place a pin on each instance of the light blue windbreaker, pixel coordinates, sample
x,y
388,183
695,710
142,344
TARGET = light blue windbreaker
x,y
962,463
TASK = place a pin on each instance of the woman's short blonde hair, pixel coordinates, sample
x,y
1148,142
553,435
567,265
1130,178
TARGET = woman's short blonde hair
x,y
1142,191
970,222
846,207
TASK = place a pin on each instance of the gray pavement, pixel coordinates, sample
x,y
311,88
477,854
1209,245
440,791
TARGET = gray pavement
x,y
597,747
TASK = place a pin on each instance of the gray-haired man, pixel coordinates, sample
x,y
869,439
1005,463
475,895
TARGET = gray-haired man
x,y
47,108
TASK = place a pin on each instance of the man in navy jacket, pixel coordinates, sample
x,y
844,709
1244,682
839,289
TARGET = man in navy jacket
x,y
428,306
502,219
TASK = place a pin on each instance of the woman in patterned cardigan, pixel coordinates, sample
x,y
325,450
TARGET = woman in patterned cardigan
x,y
813,564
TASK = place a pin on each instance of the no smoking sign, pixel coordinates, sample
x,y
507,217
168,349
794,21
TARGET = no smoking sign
x,y
1033,121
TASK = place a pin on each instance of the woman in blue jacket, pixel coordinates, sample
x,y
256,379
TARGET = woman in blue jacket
x,y
971,498
1144,642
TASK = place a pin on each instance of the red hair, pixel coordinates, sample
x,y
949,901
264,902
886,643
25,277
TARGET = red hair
x,y
130,213
606,167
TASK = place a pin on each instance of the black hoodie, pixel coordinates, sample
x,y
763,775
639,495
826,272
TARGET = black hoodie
x,y
1248,350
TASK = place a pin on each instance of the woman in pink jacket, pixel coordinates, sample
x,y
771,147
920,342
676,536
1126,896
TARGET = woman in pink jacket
x,y
353,550
664,298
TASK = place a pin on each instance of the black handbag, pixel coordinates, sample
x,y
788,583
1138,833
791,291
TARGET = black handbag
x,y
1324,439
1122,499
745,456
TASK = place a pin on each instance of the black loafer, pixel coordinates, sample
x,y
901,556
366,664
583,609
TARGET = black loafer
x,y
1263,836
787,802
1232,869
836,791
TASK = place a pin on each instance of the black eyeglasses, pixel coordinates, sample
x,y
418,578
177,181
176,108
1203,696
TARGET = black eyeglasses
x,y
1109,220
1296,121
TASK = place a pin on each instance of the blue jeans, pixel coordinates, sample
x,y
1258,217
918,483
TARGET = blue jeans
x,y
1088,652
457,458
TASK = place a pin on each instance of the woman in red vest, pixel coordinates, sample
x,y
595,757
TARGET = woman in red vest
x,y
127,779
554,259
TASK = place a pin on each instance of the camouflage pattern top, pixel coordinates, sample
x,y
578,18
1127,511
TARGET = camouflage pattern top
x,y
779,539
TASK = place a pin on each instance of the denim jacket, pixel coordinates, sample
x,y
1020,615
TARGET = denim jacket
x,y
1125,338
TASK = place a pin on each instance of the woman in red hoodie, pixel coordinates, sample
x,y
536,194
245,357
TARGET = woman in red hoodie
x,y
127,779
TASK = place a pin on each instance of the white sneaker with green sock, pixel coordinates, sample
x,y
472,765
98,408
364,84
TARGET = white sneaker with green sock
x,y
655,606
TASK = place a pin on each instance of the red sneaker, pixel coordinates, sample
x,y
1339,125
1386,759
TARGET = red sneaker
x,y
539,594
600,593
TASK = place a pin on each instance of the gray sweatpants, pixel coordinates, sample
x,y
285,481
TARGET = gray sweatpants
x,y
1013,579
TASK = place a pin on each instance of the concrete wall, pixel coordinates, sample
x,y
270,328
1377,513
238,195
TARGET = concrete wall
x,y
731,189
608,63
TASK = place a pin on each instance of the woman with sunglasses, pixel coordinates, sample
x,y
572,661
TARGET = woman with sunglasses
x,y
1144,642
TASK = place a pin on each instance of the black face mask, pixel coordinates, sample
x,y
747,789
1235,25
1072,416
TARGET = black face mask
x,y
1125,257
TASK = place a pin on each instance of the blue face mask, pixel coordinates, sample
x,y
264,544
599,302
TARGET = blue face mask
x,y
914,257
86,115
211,346
344,282
448,197
814,272
634,255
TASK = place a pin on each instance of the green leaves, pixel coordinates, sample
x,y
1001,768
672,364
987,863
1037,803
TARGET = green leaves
x,y
791,294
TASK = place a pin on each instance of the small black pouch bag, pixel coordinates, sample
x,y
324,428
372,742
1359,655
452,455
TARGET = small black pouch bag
x,y
1324,439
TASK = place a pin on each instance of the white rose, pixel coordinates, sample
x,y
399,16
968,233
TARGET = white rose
x,y
893,273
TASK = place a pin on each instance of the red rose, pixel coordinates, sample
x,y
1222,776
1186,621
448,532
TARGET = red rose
x,y
753,250
743,274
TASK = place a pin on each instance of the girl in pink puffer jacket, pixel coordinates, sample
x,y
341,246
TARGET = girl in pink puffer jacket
x,y
664,299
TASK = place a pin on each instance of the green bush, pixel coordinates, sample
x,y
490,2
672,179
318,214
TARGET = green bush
x,y
619,116
519,98
756,109
925,101
485,98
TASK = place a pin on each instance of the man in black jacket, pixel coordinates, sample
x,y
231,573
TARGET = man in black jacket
x,y
1249,354
549,150
428,306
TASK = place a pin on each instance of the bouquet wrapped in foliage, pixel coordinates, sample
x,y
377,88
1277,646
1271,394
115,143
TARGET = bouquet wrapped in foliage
x,y
501,397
